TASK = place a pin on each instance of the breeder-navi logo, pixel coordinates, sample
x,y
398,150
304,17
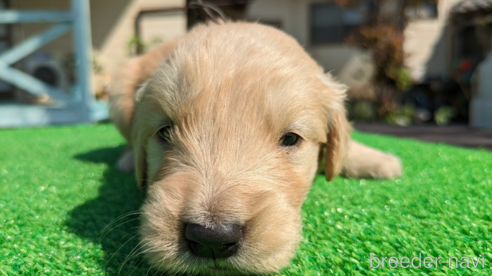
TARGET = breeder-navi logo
x,y
427,262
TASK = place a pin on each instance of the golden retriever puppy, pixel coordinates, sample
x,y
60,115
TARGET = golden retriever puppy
x,y
227,126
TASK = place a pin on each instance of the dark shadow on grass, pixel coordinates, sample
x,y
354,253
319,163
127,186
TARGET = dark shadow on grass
x,y
95,220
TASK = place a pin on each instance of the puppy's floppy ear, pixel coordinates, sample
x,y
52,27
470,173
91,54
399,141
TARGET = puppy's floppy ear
x,y
338,130
338,138
140,166
139,139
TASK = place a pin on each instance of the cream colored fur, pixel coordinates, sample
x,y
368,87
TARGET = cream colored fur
x,y
231,91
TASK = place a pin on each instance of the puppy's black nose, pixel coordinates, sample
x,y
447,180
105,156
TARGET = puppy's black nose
x,y
217,243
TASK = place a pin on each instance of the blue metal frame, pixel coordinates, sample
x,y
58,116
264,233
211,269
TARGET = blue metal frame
x,y
78,106
11,16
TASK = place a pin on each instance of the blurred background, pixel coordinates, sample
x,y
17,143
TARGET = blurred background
x,y
416,68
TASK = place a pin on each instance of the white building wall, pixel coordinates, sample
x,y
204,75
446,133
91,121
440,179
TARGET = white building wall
x,y
427,41
113,49
339,59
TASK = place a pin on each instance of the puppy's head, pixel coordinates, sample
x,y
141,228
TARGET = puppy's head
x,y
227,135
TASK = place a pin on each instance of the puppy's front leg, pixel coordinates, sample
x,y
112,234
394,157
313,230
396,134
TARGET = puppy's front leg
x,y
365,162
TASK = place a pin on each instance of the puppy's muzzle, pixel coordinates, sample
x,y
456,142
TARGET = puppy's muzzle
x,y
219,242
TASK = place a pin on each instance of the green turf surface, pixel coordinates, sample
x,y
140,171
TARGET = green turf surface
x,y
59,189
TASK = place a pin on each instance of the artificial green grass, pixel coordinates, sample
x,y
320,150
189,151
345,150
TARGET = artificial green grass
x,y
59,190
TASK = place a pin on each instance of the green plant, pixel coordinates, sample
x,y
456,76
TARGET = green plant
x,y
402,116
96,65
382,35
362,111
385,42
136,46
443,115
133,45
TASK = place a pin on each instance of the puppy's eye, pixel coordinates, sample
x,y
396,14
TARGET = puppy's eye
x,y
290,139
165,133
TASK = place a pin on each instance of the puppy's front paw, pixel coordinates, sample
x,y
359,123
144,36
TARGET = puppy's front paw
x,y
126,163
366,162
